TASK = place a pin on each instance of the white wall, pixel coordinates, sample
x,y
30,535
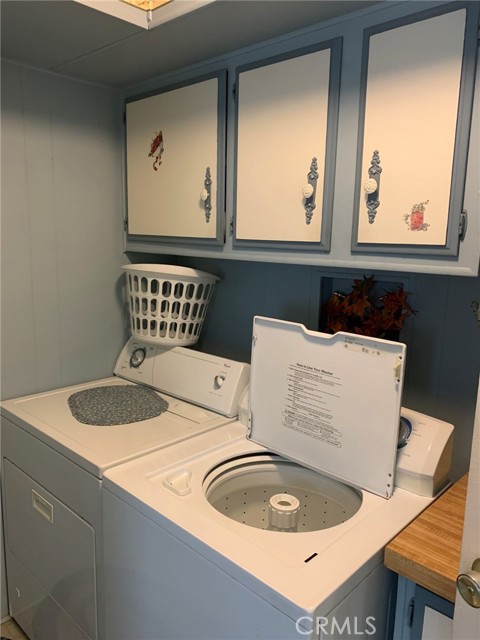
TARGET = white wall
x,y
62,319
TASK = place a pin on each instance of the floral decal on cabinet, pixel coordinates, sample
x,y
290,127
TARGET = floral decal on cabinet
x,y
416,218
156,150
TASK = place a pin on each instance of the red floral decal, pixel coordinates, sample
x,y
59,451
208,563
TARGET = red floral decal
x,y
156,150
415,219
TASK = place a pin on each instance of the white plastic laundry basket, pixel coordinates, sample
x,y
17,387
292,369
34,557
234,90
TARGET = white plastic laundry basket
x,y
168,304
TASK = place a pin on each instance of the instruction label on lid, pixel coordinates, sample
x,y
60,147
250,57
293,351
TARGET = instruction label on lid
x,y
329,402
310,402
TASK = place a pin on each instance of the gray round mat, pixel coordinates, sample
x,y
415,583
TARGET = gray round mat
x,y
118,404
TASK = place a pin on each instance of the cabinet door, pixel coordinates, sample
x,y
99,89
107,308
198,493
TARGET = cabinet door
x,y
175,162
285,148
416,108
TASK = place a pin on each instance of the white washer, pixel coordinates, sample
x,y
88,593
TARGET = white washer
x,y
243,541
55,454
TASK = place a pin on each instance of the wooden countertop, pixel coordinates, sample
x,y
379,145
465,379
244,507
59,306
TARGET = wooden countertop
x,y
428,550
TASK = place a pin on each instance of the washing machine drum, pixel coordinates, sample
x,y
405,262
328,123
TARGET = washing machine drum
x,y
267,491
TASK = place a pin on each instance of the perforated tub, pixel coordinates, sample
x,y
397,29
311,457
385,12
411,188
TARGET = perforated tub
x,y
167,303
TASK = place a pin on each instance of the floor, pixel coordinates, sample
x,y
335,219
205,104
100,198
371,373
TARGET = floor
x,y
12,631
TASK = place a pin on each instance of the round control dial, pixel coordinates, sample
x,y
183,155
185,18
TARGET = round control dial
x,y
137,357
219,380
404,431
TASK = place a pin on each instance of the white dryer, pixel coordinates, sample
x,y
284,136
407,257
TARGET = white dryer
x,y
277,530
56,447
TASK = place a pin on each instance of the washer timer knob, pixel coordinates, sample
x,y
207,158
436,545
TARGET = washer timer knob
x,y
137,357
404,431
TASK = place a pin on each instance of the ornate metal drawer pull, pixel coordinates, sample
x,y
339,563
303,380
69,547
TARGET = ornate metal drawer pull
x,y
309,191
205,195
372,187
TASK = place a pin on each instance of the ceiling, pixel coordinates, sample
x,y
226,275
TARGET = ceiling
x,y
77,41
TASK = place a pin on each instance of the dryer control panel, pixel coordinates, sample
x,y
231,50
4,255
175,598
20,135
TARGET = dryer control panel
x,y
200,378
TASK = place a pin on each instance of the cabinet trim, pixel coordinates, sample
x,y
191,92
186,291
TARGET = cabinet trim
x,y
422,599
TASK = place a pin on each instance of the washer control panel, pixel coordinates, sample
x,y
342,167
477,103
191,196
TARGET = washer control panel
x,y
424,453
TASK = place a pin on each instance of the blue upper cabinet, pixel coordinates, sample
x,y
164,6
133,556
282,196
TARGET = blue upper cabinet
x,y
350,144
416,105
286,133
175,159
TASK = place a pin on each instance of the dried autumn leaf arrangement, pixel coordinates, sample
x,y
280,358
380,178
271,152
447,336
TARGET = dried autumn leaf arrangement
x,y
357,312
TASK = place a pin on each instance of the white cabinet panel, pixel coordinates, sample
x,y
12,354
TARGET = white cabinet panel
x,y
286,128
174,160
409,193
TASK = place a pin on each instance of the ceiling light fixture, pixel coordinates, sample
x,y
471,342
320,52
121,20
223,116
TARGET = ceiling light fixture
x,y
147,5
146,13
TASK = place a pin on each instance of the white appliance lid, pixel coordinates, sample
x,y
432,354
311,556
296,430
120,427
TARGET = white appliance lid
x,y
329,402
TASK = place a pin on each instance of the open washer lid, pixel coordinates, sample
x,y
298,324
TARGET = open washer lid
x,y
328,402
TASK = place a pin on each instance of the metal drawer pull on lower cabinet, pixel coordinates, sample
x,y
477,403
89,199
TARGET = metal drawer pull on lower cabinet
x,y
42,506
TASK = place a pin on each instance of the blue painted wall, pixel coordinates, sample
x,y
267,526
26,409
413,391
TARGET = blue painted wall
x,y
62,314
